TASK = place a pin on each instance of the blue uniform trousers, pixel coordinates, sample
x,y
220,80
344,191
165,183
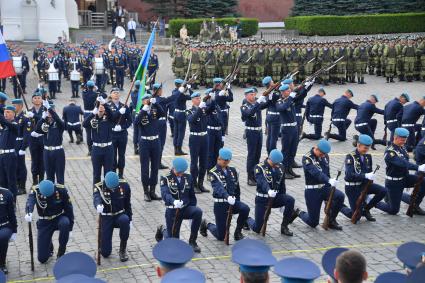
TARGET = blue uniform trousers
x,y
261,206
289,144
75,87
21,168
272,136
314,199
342,127
119,144
224,114
121,221
101,157
318,125
88,133
5,234
76,128
411,139
37,163
171,123
214,144
368,129
179,131
162,124
54,162
136,135
100,81
254,141
396,194
8,165
220,211
149,152
189,212
46,228
198,146
119,73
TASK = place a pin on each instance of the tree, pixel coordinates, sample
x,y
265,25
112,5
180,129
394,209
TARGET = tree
x,y
168,8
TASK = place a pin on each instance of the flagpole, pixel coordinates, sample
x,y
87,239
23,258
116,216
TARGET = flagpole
x,y
21,91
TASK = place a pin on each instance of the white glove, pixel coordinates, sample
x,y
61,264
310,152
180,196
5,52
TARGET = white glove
x,y
34,134
44,115
223,138
21,152
101,100
333,182
146,108
293,94
222,93
308,83
271,96
99,208
153,100
228,86
262,99
202,105
231,200
147,87
181,89
28,217
122,110
421,168
46,104
212,95
370,176
131,225
272,193
13,237
117,128
188,86
178,203
95,111
30,114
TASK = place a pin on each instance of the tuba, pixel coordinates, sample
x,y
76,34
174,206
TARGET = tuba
x,y
120,33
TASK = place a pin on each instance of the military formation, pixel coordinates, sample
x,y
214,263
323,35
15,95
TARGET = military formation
x,y
106,121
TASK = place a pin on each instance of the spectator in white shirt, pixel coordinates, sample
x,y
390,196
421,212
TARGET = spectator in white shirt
x,y
131,25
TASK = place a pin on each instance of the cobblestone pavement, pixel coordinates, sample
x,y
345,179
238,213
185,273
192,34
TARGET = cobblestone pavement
x,y
377,241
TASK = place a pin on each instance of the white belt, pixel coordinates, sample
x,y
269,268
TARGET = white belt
x,y
178,110
103,144
4,224
224,110
361,124
50,217
316,116
289,124
149,138
214,128
393,178
262,195
53,147
74,124
3,151
392,121
220,200
170,116
253,128
422,129
19,139
318,186
338,120
113,129
162,119
299,114
407,125
273,113
88,111
198,134
112,213
353,183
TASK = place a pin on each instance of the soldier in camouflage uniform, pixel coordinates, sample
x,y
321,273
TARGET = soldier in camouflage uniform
x,y
421,50
243,56
178,64
361,58
227,61
325,58
259,60
308,54
277,60
210,68
196,66
400,60
341,66
390,59
409,54
293,60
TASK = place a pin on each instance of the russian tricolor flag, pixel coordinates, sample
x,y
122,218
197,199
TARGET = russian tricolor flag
x,y
6,65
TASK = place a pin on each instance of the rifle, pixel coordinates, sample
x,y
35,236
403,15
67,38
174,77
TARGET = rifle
x,y
291,75
329,130
356,215
99,239
327,68
414,194
228,223
31,243
266,216
302,124
328,206
174,228
384,138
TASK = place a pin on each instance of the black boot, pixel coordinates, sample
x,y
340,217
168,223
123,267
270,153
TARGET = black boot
x,y
34,180
294,215
181,151
391,79
355,139
368,216
204,228
147,194
193,244
136,149
334,225
162,166
363,82
284,228
121,173
159,235
123,251
176,151
303,136
418,210
79,139
288,176
295,164
3,261
195,186
238,234
201,185
71,138
291,171
153,194
251,180
61,251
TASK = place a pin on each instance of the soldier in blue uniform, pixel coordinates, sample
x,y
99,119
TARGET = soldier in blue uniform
x,y
133,104
251,116
133,60
55,212
272,116
162,122
397,172
411,254
314,110
3,99
215,131
149,144
180,98
112,200
101,121
8,225
180,201
296,269
223,95
20,146
61,68
270,179
393,113
340,109
318,186
364,122
52,128
184,275
197,117
9,131
359,171
89,101
226,192
153,66
411,114
420,159
123,120
171,106
86,65
120,65
71,117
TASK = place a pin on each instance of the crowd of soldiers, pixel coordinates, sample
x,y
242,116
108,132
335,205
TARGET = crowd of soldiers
x,y
389,57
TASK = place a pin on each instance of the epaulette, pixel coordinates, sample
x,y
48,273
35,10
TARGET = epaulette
x,y
98,186
213,169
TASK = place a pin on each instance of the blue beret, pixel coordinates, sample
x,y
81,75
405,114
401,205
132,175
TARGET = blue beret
x,y
112,180
287,81
391,277
225,153
147,95
3,96
406,96
252,255
283,87
195,94
42,90
267,80
350,92
208,90
401,132
322,90
114,89
10,107
157,86
276,156
17,101
324,146
255,89
36,93
375,96
184,275
2,277
46,188
417,275
249,90
295,269
180,164
172,253
410,254
90,83
137,83
217,80
365,139
329,260
178,81
72,278
74,263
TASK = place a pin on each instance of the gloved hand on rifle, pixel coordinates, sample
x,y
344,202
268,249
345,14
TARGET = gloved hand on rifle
x,y
178,203
333,182
231,200
370,176
272,193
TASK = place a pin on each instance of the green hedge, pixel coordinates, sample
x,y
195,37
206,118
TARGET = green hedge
x,y
249,25
357,24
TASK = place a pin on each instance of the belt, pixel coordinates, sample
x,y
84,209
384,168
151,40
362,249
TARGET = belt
x,y
162,119
172,206
253,128
407,125
289,124
88,111
214,128
392,121
103,144
3,151
318,186
170,116
4,224
338,120
113,213
74,124
316,116
50,217
353,183
422,129
118,131
223,110
19,139
273,113
220,200
298,114
393,178
178,110
361,124
262,195
198,133
53,147
149,138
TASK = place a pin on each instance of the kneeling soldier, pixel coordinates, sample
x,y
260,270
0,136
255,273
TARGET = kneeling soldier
x,y
8,225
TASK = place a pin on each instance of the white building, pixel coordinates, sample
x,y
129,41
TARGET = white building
x,y
38,20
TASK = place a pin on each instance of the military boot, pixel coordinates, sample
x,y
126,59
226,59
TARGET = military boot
x,y
392,79
251,180
121,173
61,251
368,215
193,244
388,79
203,230
201,185
162,166
288,176
291,171
153,194
294,215
284,228
71,138
195,186
123,251
181,151
79,139
159,235
334,225
136,149
296,164
355,139
418,210
34,180
362,81
238,233
3,264
146,193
